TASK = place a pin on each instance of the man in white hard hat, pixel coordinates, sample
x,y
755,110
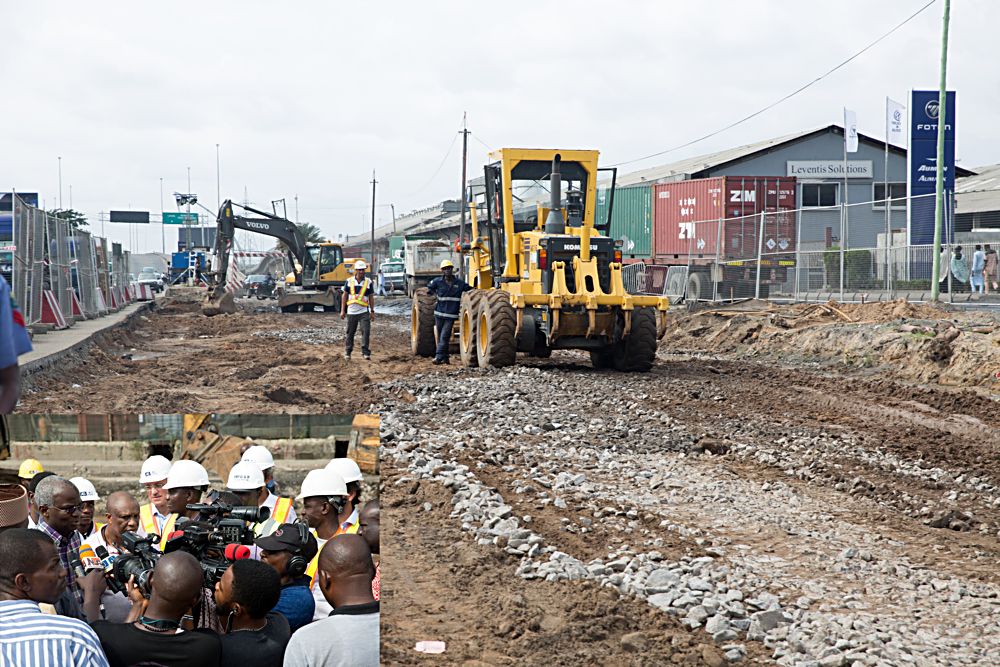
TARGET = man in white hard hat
x,y
186,483
89,497
448,289
247,481
349,471
152,477
262,456
357,304
325,499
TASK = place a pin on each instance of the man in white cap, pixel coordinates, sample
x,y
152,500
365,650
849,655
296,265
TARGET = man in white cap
x,y
247,481
262,456
357,304
152,477
186,483
348,469
324,500
89,497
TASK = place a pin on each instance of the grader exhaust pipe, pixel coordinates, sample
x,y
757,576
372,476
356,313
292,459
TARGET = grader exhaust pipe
x,y
554,223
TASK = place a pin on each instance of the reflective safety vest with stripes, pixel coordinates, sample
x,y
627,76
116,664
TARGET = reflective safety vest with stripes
x,y
147,519
168,527
314,563
355,298
279,515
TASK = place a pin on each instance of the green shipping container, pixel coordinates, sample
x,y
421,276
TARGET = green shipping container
x,y
631,219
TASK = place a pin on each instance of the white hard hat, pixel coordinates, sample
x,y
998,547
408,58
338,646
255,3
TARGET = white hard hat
x,y
322,482
186,474
245,476
360,264
446,264
154,469
86,489
346,468
259,455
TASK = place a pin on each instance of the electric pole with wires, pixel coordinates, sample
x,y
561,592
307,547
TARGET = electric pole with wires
x,y
461,226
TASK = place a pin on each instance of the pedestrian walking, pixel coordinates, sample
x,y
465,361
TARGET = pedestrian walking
x,y
978,268
380,281
990,272
358,305
448,289
959,268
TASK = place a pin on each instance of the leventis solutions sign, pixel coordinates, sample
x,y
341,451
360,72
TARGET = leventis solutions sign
x,y
807,169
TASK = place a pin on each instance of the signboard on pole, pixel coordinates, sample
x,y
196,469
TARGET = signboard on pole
x,y
131,217
180,218
922,166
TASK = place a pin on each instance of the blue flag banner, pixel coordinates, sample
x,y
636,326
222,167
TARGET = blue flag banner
x,y
922,159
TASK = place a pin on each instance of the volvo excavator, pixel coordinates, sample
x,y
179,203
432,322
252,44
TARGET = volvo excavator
x,y
319,268
545,277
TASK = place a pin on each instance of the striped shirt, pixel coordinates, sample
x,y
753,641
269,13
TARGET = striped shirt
x,y
29,638
65,546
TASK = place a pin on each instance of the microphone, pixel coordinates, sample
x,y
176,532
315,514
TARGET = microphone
x,y
89,559
74,562
175,535
107,560
237,552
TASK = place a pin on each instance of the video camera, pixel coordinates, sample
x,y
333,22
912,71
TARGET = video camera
x,y
216,541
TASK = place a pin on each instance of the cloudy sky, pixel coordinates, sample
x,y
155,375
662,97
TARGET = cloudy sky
x,y
307,98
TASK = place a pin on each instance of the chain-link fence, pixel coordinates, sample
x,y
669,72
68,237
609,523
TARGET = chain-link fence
x,y
56,264
849,252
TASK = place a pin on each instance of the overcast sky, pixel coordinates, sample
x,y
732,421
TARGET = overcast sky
x,y
307,98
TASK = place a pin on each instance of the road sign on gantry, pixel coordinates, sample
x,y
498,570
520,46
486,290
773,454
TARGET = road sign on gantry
x,y
180,218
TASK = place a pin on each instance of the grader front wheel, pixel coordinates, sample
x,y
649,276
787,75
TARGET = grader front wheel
x,y
495,342
468,319
422,341
637,351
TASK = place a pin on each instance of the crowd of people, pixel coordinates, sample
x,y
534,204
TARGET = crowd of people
x,y
304,593
979,276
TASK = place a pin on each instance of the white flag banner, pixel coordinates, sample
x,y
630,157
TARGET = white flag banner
x,y
850,131
895,122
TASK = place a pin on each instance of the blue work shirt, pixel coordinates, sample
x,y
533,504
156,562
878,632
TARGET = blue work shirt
x,y
449,296
296,603
14,340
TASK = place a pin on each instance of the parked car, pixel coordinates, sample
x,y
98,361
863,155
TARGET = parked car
x,y
260,286
152,277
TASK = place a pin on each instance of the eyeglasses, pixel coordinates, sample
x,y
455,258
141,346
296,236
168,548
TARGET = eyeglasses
x,y
158,486
72,509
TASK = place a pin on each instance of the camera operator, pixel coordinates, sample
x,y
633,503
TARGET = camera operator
x,y
247,481
152,633
122,516
186,482
324,501
254,634
348,469
289,550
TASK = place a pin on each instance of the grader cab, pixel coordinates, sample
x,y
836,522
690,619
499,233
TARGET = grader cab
x,y
546,277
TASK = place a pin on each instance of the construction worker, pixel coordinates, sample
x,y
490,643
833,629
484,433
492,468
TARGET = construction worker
x,y
448,289
152,477
357,304
186,483
247,481
349,471
325,500
29,468
262,457
89,497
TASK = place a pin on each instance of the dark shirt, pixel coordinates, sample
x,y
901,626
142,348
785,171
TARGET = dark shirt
x,y
126,645
449,296
296,603
263,648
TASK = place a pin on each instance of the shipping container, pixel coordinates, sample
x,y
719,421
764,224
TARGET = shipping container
x,y
631,219
686,217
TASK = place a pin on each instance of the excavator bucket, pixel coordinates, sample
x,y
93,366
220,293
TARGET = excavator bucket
x,y
224,304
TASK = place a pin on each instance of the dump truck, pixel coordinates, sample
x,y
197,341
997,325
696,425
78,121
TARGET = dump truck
x,y
422,260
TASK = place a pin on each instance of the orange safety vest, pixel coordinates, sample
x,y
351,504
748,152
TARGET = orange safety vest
x,y
148,520
279,515
358,299
168,527
314,563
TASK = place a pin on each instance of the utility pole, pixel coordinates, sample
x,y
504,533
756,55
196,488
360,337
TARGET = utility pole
x,y
163,233
393,207
941,121
296,209
190,244
218,181
373,220
465,155
60,183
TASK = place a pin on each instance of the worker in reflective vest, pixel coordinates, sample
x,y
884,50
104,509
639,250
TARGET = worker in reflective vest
x,y
186,483
152,477
357,304
88,498
448,289
246,480
325,500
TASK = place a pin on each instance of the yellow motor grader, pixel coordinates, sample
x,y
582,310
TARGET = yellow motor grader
x,y
545,278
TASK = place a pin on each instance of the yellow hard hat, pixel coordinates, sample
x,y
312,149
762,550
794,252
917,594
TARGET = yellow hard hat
x,y
290,278
446,264
29,468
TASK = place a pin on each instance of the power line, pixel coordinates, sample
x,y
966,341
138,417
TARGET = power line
x,y
786,97
454,138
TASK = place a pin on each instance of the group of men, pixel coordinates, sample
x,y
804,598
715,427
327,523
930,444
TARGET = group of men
x,y
305,593
358,307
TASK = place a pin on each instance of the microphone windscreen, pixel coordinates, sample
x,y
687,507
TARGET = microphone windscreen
x,y
237,552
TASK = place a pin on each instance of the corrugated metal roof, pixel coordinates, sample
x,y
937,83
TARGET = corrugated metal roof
x,y
979,193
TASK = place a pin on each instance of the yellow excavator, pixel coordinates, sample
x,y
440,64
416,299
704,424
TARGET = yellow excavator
x,y
319,268
547,278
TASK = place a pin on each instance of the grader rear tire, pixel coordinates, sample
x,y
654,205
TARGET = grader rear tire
x,y
495,342
468,318
422,341
603,358
637,352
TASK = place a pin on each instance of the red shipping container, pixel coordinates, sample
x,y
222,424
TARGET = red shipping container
x,y
686,217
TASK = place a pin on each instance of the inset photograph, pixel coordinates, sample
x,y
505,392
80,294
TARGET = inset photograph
x,y
190,539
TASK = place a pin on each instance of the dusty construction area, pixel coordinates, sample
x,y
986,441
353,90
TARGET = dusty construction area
x,y
801,484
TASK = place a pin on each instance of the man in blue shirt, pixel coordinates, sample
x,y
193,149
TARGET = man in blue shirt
x,y
14,342
289,550
448,289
